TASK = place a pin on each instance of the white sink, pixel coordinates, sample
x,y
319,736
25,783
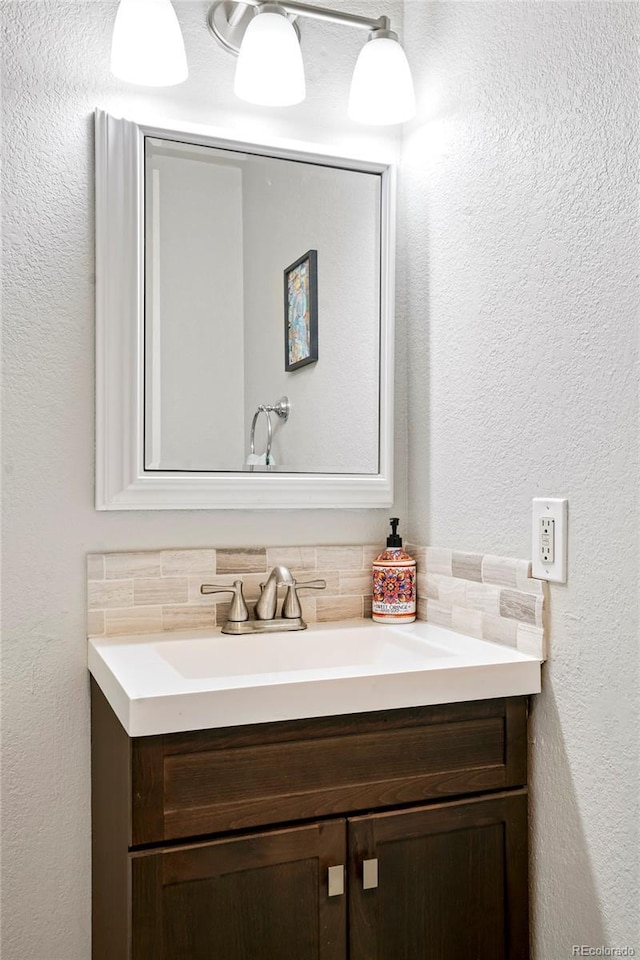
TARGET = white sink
x,y
331,650
167,683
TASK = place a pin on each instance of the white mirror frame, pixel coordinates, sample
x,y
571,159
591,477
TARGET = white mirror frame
x,y
121,480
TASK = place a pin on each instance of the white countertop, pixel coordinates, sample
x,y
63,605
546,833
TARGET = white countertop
x,y
166,683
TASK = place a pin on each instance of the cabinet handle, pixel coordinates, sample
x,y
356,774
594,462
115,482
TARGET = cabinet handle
x,y
369,874
336,881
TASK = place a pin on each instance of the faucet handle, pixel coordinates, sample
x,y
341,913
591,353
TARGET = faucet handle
x,y
238,611
291,607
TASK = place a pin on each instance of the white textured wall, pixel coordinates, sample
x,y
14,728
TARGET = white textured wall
x,y
55,71
522,257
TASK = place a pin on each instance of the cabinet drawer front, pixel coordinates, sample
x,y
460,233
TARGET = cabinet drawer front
x,y
215,781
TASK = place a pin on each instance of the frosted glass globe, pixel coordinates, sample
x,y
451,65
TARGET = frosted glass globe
x,y
147,46
270,71
382,87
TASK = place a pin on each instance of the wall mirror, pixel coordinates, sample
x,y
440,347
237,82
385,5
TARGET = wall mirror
x,y
244,322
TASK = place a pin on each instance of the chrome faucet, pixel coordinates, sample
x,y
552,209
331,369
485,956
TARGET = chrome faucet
x,y
265,610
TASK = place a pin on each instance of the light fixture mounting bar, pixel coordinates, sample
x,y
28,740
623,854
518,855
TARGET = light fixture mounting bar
x,y
333,16
228,19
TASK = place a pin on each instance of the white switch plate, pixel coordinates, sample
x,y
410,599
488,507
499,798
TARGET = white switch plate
x,y
549,540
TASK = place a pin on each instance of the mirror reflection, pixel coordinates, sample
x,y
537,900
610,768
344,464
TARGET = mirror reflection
x,y
262,313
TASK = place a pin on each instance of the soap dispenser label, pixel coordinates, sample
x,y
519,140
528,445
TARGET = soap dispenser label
x,y
394,591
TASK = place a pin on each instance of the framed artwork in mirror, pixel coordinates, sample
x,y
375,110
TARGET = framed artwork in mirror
x,y
301,311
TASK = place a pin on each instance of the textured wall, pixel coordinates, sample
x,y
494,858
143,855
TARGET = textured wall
x,y
520,195
55,72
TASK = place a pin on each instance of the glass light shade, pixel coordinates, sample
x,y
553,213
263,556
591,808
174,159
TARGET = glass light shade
x,y
382,87
147,45
270,71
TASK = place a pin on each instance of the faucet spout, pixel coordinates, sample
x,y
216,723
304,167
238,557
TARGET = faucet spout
x,y
266,606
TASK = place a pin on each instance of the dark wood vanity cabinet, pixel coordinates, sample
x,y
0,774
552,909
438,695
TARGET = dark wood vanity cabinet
x,y
220,844
452,882
259,896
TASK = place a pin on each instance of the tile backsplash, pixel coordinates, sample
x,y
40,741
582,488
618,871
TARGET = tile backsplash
x,y
485,596
158,592
493,598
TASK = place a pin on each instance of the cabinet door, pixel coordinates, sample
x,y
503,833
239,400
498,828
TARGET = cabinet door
x,y
451,882
258,897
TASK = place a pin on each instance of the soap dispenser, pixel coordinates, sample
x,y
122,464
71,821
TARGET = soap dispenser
x,y
394,582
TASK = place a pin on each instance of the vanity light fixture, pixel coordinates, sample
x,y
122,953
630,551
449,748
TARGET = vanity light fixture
x,y
381,89
147,45
148,49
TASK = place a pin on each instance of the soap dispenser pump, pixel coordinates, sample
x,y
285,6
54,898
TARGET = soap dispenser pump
x,y
394,582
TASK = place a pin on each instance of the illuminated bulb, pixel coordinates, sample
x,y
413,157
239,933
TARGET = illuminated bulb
x,y
270,71
147,45
382,88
